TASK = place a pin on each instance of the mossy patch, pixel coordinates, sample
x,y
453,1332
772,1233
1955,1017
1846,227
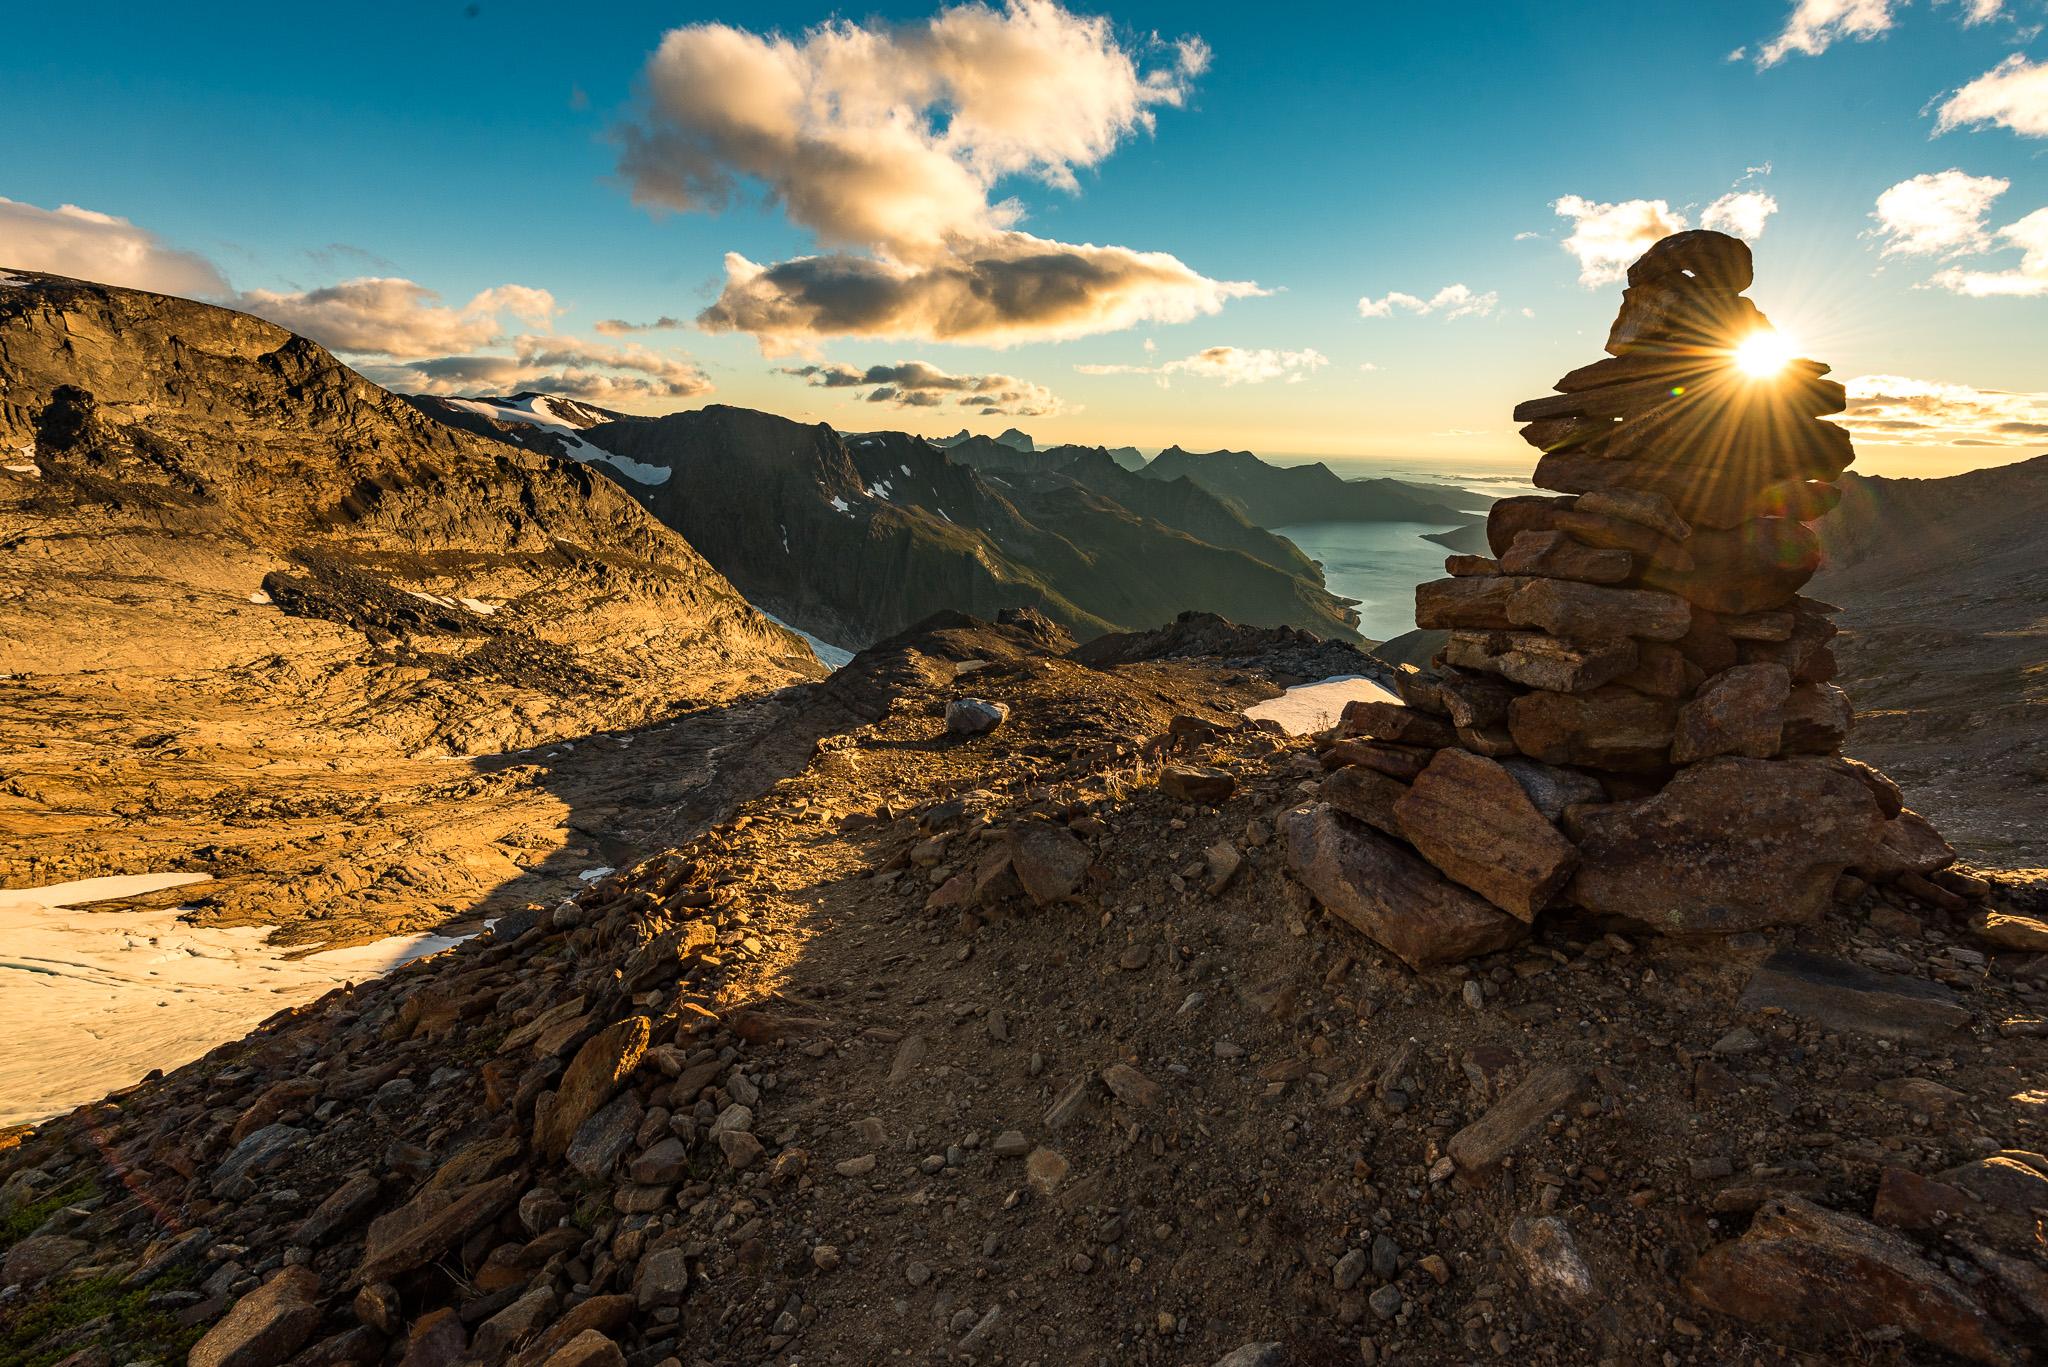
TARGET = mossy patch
x,y
46,1327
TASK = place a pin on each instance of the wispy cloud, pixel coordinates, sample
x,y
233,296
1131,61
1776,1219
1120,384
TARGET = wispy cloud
x,y
1228,365
1901,411
1452,301
619,327
1606,238
87,245
1939,214
1814,26
887,142
2028,280
388,316
919,384
2013,94
598,372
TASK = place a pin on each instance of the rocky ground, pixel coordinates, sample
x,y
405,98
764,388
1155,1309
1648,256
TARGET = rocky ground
x,y
1027,1048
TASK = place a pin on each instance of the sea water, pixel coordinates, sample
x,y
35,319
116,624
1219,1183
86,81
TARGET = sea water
x,y
1377,563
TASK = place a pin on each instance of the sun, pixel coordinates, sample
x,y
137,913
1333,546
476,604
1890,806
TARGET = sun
x,y
1763,354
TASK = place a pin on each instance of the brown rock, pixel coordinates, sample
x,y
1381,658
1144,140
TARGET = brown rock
x,y
1367,794
1470,602
1592,612
1713,259
1480,1146
1906,1200
1850,998
430,1224
1388,894
1471,818
1740,711
1397,761
1728,845
1676,315
1600,529
1908,844
597,1072
1554,555
266,1326
1750,568
1050,861
1553,789
605,1315
1610,727
1817,719
40,1257
1509,517
1391,722
1474,700
1820,1270
1635,505
436,1339
1201,782
1470,566
587,1349
1662,671
1890,801
1550,1259
1536,659
2011,930
1131,1087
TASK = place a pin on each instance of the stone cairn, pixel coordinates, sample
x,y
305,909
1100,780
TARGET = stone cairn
x,y
1634,711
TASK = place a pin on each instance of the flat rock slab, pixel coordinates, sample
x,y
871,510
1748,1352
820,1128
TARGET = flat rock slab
x,y
266,1326
1387,893
1844,996
1806,1266
1471,818
1481,1146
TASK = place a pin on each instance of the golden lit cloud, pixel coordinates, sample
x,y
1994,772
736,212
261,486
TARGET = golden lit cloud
x,y
383,316
87,245
1452,301
597,372
887,143
917,384
1227,365
1898,411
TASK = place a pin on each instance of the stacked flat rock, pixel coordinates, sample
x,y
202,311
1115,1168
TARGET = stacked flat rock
x,y
1634,711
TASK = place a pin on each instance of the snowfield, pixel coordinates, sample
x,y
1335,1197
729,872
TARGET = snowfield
x,y
829,655
538,412
1311,707
92,1000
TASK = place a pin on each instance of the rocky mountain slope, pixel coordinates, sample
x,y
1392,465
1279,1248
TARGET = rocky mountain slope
x,y
1943,584
254,609
855,538
1027,1047
1285,496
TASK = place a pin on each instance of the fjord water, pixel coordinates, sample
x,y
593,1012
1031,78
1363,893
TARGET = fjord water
x,y
1378,563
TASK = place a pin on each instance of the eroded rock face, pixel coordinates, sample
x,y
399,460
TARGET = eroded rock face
x,y
1804,1265
1728,845
1388,894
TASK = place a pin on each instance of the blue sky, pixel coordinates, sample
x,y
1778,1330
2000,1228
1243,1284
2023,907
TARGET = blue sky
x,y
1325,154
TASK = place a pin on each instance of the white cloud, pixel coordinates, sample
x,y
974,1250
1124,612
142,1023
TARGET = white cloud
x,y
1740,213
1900,411
1940,214
1981,11
888,142
919,384
2028,280
619,327
1607,238
1228,364
386,316
1816,25
2013,94
598,372
87,245
1452,301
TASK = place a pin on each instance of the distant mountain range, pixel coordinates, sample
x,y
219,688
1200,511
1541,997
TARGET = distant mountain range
x,y
1287,496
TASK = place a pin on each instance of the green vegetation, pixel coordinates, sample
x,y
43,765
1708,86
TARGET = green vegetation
x,y
35,1332
30,1217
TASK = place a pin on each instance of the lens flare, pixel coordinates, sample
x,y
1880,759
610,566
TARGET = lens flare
x,y
1763,354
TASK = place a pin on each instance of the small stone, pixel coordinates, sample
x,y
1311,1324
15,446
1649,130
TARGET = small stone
x,y
1550,1258
1350,1269
1386,1256
1045,1169
975,716
1011,1144
1386,1302
1130,1086
860,1166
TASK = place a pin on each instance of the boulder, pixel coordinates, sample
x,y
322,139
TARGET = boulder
x,y
1728,845
1594,612
1367,795
1396,761
40,1257
1200,782
266,1326
1850,998
1817,719
1712,259
1633,505
1381,889
1750,568
1049,860
1806,1267
975,716
592,1078
1471,818
1740,711
430,1224
1908,844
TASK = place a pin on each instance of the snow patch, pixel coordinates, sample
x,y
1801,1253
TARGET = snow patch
x,y
638,471
592,875
536,411
478,606
260,598
1310,707
113,994
905,469
829,655
842,505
